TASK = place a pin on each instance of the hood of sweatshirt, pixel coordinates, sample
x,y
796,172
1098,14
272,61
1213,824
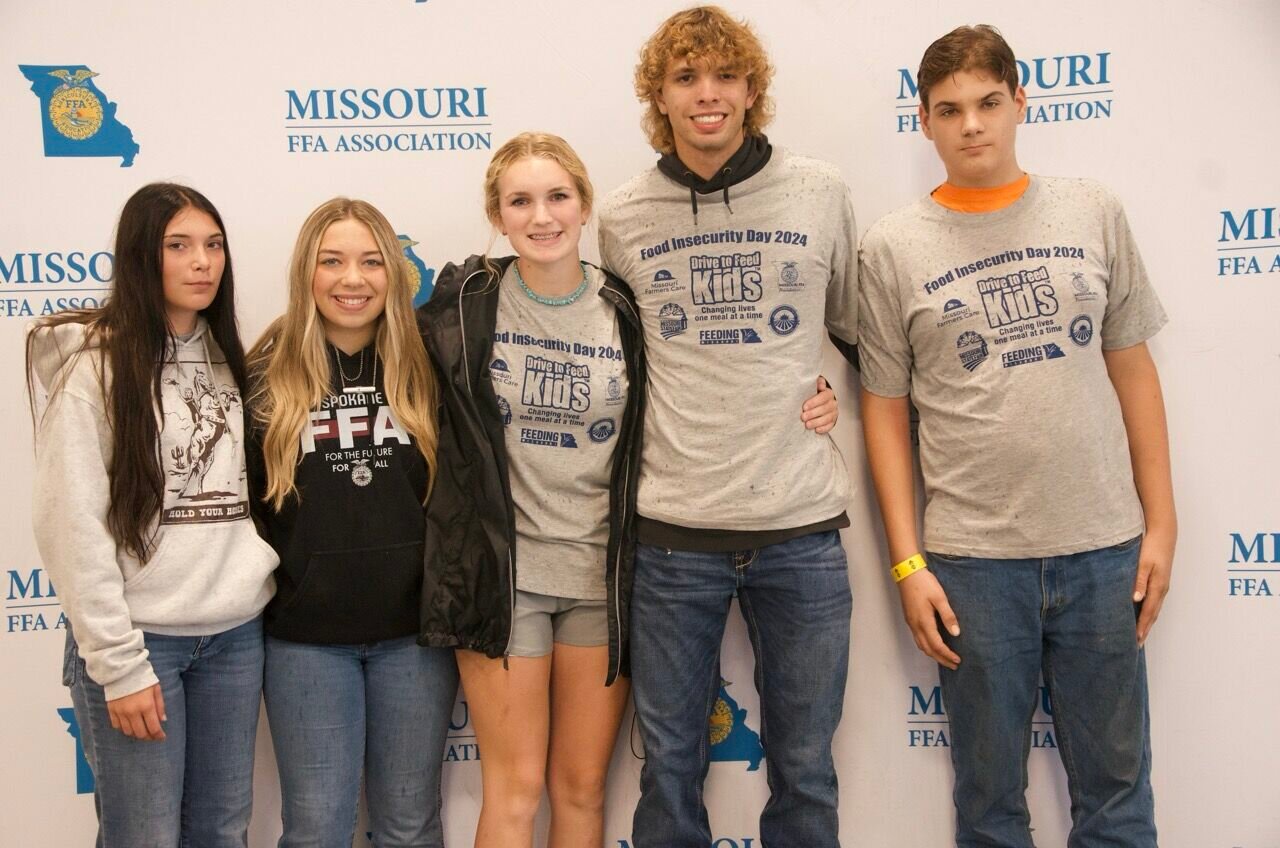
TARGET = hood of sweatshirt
x,y
53,347
746,162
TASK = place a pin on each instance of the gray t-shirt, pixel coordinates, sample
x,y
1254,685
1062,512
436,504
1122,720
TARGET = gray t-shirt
x,y
561,383
735,309
995,323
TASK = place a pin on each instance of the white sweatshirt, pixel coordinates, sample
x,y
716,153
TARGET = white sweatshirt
x,y
208,572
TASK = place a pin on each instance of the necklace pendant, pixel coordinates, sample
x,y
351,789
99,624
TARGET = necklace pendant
x,y
352,390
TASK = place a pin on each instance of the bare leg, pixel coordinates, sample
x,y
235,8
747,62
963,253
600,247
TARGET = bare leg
x,y
585,715
509,707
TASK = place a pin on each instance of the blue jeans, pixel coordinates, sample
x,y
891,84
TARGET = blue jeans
x,y
338,710
194,788
1072,620
796,601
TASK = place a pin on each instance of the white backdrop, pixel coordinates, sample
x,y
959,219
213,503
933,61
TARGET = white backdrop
x,y
1171,104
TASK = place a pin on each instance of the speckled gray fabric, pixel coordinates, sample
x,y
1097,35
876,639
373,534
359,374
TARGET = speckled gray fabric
x,y
561,384
735,309
995,323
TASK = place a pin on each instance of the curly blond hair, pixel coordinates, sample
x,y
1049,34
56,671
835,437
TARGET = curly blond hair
x,y
702,33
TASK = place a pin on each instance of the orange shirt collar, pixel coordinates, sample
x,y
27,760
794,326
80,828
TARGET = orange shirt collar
x,y
960,199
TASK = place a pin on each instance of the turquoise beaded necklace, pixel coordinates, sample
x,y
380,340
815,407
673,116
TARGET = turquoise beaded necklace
x,y
563,300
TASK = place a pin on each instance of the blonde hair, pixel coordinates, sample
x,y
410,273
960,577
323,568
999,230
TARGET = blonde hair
x,y
293,365
704,33
533,145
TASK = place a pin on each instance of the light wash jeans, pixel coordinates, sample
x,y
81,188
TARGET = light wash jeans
x,y
796,601
336,711
195,788
1071,619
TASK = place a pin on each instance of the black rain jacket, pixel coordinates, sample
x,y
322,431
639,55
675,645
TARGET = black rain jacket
x,y
468,591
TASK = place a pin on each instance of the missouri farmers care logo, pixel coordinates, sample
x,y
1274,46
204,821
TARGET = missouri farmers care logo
x,y
76,116
1248,241
1070,87
393,119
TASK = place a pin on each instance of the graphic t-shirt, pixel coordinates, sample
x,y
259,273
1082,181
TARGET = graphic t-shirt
x,y
995,324
736,307
561,384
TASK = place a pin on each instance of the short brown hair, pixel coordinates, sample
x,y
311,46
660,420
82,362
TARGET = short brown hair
x,y
967,48
702,33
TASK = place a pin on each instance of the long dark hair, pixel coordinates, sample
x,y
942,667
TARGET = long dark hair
x,y
132,333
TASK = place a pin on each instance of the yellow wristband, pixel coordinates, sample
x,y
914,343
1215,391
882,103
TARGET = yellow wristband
x,y
908,567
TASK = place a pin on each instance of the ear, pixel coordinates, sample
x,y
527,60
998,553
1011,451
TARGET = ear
x,y
659,102
752,94
924,123
1020,100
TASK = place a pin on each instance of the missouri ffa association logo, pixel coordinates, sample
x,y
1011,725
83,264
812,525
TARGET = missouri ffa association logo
x,y
731,739
421,278
78,119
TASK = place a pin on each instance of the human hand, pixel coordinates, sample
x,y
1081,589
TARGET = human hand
x,y
1155,570
923,603
820,412
139,715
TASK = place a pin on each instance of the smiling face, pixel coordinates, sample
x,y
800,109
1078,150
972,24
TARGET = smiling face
x,y
972,120
706,102
541,212
349,284
192,266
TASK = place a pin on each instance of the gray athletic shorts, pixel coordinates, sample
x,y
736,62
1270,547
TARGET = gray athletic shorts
x,y
541,620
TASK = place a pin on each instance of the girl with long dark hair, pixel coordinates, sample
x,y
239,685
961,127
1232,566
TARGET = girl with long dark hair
x,y
142,520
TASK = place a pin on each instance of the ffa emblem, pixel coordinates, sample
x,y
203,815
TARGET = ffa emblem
x,y
421,278
361,474
789,273
721,722
1078,282
74,110
615,388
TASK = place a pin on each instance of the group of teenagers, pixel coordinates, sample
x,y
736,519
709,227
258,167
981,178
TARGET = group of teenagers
x,y
552,480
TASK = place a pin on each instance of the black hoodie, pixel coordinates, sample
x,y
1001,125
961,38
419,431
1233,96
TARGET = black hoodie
x,y
350,542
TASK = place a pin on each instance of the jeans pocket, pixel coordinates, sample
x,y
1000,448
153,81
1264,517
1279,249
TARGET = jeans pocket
x,y
1126,545
930,556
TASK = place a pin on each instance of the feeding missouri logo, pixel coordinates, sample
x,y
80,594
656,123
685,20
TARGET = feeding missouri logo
x,y
394,119
1069,87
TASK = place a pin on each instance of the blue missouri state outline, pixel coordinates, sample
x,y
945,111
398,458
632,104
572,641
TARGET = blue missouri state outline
x,y
742,744
112,138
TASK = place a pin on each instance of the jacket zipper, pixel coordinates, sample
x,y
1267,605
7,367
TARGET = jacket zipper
x,y
617,565
626,480
511,566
